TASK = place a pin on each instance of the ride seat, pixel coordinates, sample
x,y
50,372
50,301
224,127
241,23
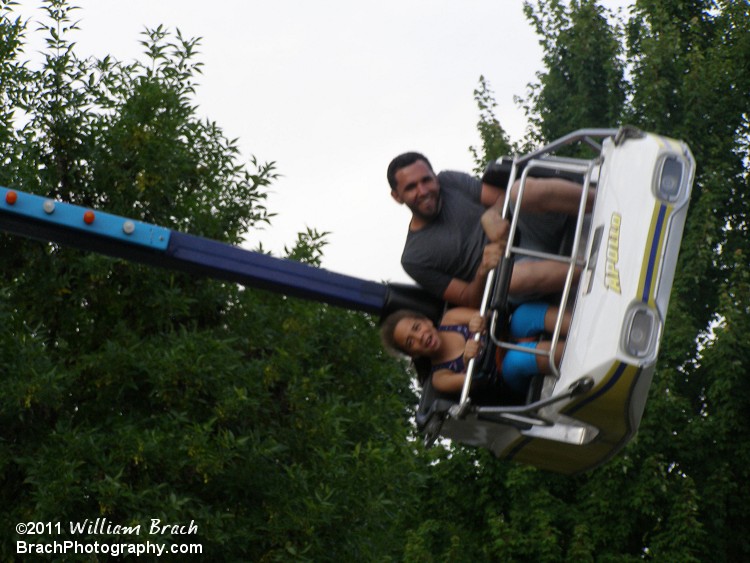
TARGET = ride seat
x,y
432,405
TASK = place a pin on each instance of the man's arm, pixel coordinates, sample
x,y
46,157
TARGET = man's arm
x,y
466,294
469,294
492,195
459,316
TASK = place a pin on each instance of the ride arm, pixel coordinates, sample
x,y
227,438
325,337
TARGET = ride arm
x,y
48,220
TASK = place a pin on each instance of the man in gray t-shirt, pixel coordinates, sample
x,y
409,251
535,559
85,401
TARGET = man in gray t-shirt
x,y
447,251
450,245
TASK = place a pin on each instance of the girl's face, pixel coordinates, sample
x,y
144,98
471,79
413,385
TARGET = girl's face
x,y
417,337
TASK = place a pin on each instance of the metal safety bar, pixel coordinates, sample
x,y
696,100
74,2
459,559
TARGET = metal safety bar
x,y
584,168
529,414
584,135
500,277
458,411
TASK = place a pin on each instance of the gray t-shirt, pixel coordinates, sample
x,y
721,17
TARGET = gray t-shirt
x,y
451,245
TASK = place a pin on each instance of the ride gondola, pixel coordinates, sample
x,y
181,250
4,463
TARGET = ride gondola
x,y
621,266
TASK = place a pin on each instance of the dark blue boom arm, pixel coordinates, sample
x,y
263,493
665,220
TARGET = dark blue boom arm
x,y
48,220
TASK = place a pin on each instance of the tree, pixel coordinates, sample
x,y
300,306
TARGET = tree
x,y
130,393
583,85
280,427
674,493
495,141
689,78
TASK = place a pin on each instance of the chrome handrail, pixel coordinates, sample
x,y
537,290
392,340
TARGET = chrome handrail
x,y
534,160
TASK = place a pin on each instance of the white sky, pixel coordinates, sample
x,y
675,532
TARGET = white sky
x,y
331,91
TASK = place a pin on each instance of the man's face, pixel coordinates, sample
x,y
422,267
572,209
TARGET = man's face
x,y
417,187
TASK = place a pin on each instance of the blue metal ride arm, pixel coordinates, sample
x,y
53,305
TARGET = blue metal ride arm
x,y
44,219
203,256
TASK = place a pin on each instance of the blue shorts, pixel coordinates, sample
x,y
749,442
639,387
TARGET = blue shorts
x,y
519,367
528,320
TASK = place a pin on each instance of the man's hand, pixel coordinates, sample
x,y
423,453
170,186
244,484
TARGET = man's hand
x,y
490,258
495,227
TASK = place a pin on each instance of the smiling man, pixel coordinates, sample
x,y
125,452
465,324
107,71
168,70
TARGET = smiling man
x,y
447,251
445,246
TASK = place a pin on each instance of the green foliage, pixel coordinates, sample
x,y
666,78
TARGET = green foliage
x,y
280,427
583,85
130,393
495,141
308,248
675,493
339,409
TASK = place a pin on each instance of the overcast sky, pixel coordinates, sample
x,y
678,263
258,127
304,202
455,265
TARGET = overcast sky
x,y
331,91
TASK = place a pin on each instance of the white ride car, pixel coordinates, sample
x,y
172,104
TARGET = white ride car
x,y
621,269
